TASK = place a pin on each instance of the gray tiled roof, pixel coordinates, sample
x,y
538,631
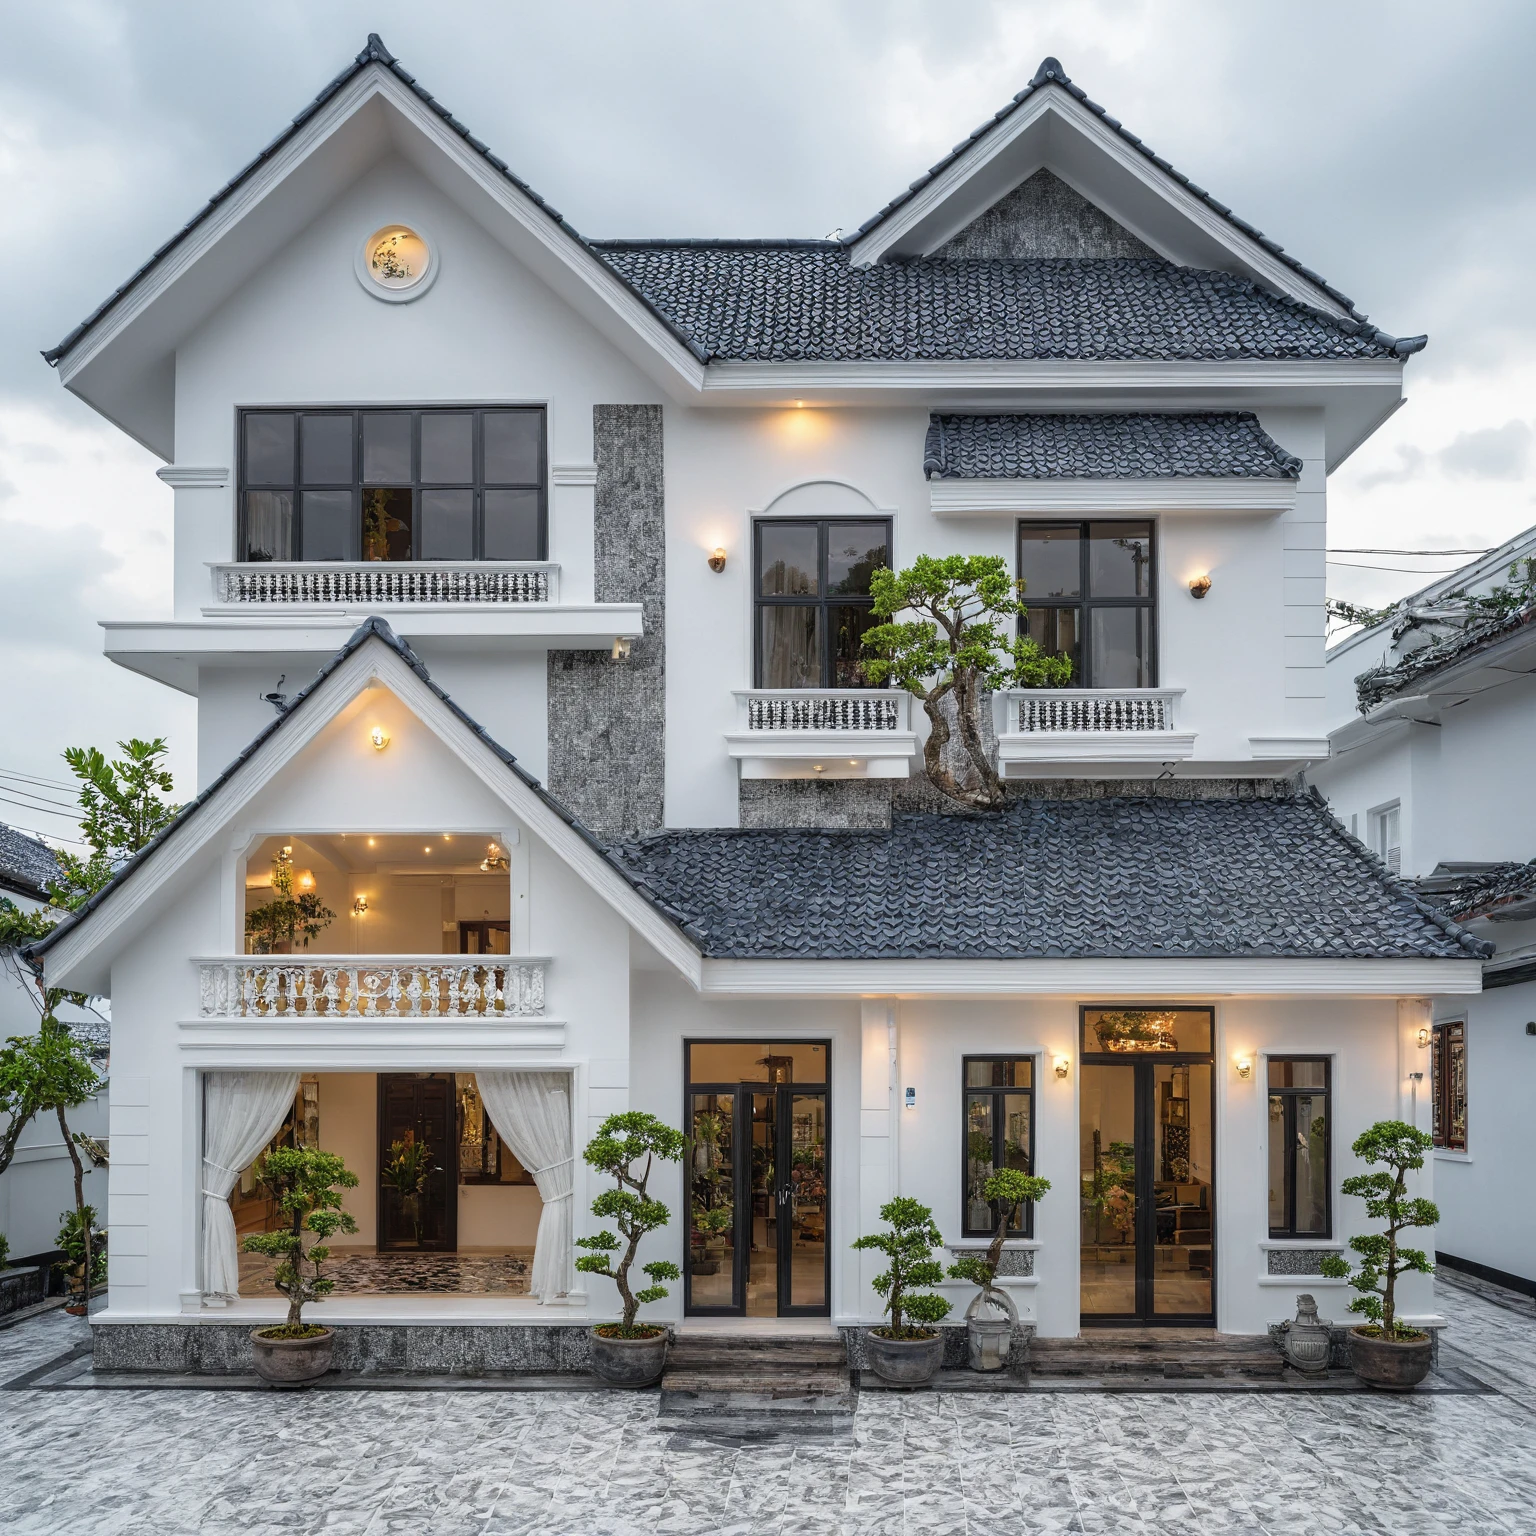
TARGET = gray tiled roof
x,y
26,865
808,302
1384,682
1048,879
1113,446
1501,891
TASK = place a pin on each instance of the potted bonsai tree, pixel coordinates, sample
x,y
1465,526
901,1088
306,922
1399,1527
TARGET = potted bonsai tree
x,y
1383,1352
627,1353
989,1339
81,1242
406,1170
905,1351
305,1185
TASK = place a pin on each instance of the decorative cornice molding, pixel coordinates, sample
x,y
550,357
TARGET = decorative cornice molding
x,y
952,497
187,477
573,474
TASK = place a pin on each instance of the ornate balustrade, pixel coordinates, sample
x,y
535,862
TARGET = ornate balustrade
x,y
364,987
363,583
815,709
1094,709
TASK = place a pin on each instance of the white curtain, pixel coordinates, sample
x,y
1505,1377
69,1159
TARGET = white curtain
x,y
242,1112
532,1114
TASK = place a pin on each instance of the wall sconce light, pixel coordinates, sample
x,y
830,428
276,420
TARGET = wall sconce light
x,y
717,559
359,905
379,737
1063,1065
1200,586
1244,1067
620,650
1417,1077
306,880
1423,1038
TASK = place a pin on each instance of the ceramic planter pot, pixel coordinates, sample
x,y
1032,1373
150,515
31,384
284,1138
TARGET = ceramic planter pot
x,y
629,1362
1308,1340
906,1362
292,1362
989,1341
1393,1365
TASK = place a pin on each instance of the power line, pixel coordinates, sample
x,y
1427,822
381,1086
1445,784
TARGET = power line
x,y
1406,570
23,805
30,794
32,778
1339,551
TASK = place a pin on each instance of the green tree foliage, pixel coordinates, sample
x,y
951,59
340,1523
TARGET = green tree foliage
x,y
81,1242
121,809
961,639
620,1143
305,1185
1399,1148
283,919
1005,1191
909,1247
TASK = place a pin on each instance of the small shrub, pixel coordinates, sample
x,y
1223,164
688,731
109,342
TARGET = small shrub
x,y
909,1246
1007,1189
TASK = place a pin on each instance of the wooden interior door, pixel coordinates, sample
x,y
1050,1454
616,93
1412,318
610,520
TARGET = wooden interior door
x,y
421,1107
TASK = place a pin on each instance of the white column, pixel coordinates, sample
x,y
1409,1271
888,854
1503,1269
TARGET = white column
x,y
1413,1015
879,1131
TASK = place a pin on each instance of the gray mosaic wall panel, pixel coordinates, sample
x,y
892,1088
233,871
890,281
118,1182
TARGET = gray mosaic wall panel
x,y
1297,1261
607,719
853,804
1041,218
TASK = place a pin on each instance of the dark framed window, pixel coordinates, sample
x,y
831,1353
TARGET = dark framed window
x,y
1448,1085
812,608
1300,1147
1091,591
999,1116
439,484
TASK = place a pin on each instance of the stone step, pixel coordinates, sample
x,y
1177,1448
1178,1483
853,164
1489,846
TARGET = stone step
x,y
1155,1356
740,1354
830,1382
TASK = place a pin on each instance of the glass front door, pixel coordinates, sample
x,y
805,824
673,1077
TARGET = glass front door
x,y
757,1174
1147,1173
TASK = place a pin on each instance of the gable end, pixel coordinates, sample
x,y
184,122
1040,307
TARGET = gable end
x,y
1042,219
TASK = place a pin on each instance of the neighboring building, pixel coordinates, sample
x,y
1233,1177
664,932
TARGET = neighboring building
x,y
553,555
1434,739
39,1185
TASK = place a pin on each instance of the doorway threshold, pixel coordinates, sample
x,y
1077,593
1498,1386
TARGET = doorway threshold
x,y
776,1327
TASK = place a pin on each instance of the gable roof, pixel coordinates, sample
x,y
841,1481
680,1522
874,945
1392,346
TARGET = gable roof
x,y
1112,877
1114,446
1050,74
1502,892
808,301
1465,642
27,865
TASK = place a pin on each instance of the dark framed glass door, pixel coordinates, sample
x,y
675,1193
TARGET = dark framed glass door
x,y
418,1163
758,1179
1148,1179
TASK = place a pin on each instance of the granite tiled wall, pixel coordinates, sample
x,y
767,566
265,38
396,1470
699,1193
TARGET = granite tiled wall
x,y
1042,218
847,804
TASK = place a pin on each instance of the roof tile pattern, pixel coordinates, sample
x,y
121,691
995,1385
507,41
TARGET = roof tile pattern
x,y
808,302
1386,682
1051,879
25,863
1485,893
1140,446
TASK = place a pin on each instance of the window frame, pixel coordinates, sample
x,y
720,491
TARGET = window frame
x,y
823,601
477,484
1027,1231
1441,1099
1084,602
1376,830
1288,1130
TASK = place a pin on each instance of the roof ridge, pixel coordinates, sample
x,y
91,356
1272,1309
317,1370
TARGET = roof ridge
x,y
1051,73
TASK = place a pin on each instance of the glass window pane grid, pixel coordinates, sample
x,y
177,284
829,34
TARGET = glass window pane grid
x,y
987,1112
293,485
1093,1049
1448,1085
1286,1104
835,670
1086,665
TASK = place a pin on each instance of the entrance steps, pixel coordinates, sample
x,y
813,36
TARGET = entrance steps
x,y
1170,1353
726,1382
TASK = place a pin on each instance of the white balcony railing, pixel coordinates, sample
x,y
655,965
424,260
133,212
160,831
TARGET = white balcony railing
x,y
1094,709
364,987
818,709
367,582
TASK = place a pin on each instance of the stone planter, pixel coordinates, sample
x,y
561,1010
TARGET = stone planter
x,y
292,1362
1392,1365
22,1287
906,1362
1307,1340
630,1362
989,1341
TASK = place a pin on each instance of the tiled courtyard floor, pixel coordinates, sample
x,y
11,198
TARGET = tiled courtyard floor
x,y
439,1463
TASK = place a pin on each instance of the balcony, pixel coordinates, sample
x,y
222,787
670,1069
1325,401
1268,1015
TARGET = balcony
x,y
1037,727
335,987
823,733
371,583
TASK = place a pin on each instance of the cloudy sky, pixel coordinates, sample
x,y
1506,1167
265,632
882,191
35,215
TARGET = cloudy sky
x,y
1385,144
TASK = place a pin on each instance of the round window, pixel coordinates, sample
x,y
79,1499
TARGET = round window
x,y
396,262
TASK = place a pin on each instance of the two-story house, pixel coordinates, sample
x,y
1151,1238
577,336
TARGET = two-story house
x,y
1433,738
520,580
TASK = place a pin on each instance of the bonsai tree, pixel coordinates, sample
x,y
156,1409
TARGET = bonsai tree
x,y
305,1185
286,916
1004,1191
958,641
621,1141
84,1248
1399,1148
909,1247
